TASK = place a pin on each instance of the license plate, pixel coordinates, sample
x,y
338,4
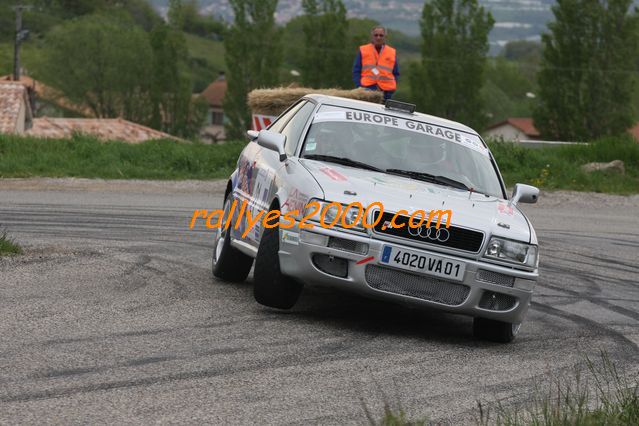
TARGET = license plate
x,y
423,263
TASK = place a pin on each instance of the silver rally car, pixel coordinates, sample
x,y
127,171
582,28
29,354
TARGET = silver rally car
x,y
322,157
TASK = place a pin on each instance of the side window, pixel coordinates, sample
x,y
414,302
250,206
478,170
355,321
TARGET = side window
x,y
294,128
283,119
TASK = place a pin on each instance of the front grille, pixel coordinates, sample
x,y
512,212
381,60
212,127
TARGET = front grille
x,y
457,237
496,301
495,278
421,287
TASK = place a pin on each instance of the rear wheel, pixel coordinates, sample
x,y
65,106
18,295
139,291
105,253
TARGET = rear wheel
x,y
495,331
271,288
229,263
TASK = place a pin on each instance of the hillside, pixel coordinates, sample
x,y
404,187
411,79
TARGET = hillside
x,y
515,19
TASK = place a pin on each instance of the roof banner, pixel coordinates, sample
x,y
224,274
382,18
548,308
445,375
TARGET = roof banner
x,y
469,140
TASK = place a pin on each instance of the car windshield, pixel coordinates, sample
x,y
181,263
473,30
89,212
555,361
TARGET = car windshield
x,y
401,146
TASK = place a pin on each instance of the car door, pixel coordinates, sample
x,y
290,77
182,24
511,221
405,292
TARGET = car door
x,y
256,181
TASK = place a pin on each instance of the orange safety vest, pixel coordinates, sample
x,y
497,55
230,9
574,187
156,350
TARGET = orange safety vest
x,y
383,62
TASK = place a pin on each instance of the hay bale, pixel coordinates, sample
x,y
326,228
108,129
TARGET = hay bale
x,y
274,101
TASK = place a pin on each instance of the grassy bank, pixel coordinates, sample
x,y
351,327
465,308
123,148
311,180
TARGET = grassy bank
x,y
595,393
547,168
7,245
599,394
87,157
559,167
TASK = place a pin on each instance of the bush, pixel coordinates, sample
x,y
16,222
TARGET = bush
x,y
7,245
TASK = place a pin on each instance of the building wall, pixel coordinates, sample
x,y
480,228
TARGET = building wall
x,y
507,131
22,118
215,116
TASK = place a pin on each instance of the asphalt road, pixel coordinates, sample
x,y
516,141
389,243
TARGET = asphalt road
x,y
112,315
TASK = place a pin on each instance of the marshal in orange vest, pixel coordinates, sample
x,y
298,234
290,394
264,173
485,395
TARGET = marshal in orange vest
x,y
377,68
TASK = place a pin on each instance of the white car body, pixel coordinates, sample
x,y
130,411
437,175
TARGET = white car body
x,y
270,176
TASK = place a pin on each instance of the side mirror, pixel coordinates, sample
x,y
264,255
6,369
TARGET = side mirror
x,y
524,194
252,134
273,141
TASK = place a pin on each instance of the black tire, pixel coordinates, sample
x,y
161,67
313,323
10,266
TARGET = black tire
x,y
271,288
229,264
494,331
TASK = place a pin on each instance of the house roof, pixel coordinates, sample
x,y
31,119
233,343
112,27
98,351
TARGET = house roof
x,y
50,94
215,92
526,126
523,124
634,131
13,97
108,129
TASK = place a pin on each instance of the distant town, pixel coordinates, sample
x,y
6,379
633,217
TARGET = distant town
x,y
515,19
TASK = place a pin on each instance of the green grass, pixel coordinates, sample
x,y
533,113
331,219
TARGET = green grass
x,y
7,245
87,157
559,167
206,60
596,395
601,396
547,168
210,50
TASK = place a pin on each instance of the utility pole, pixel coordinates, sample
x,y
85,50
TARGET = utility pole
x,y
21,35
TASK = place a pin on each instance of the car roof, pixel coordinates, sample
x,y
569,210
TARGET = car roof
x,y
379,108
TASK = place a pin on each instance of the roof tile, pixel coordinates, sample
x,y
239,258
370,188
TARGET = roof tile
x,y
107,129
12,100
215,91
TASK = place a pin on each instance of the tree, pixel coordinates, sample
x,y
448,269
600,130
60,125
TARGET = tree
x,y
586,77
327,56
173,109
142,13
181,14
253,55
101,61
45,14
185,16
449,79
506,89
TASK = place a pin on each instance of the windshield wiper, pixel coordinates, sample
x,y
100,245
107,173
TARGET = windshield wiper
x,y
429,178
343,160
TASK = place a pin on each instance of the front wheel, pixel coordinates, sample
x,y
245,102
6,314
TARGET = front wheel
x,y
495,331
271,288
229,263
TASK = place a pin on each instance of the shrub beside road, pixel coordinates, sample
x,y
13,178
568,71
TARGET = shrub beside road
x,y
7,245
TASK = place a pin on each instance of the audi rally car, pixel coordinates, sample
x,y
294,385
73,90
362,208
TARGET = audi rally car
x,y
327,154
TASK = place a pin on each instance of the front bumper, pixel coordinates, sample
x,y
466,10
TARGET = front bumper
x,y
487,290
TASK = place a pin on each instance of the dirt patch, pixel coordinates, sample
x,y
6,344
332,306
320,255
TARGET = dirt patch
x,y
586,199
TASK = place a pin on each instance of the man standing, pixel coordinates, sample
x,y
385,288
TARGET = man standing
x,y
375,66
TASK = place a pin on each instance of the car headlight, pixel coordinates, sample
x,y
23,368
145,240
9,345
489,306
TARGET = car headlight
x,y
512,251
334,214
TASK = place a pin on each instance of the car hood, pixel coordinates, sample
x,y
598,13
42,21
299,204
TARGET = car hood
x,y
488,214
